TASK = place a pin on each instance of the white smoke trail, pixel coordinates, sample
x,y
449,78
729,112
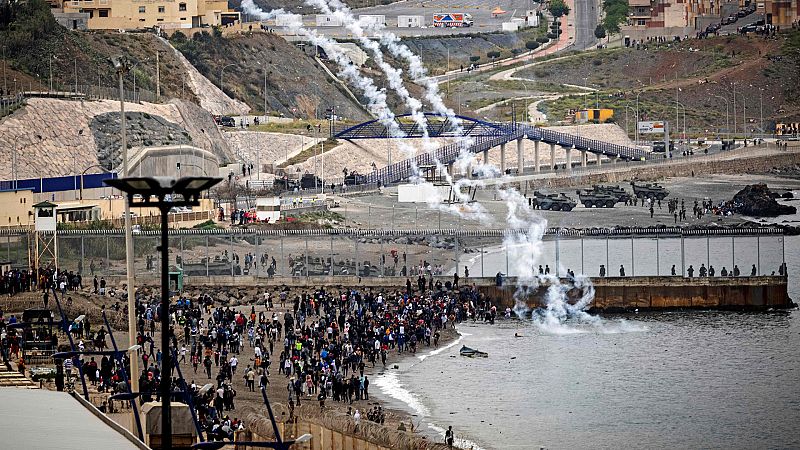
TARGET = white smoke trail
x,y
347,70
525,244
466,160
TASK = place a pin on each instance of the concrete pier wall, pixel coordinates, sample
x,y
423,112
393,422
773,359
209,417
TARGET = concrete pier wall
x,y
611,294
655,293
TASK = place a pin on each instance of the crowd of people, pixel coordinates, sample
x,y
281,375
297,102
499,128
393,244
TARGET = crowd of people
x,y
321,345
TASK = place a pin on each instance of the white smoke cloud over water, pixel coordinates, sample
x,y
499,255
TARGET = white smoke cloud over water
x,y
524,245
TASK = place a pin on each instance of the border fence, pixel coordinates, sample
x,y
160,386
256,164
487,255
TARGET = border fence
x,y
400,253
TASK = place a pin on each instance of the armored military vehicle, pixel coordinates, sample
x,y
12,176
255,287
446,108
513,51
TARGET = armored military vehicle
x,y
621,194
653,191
552,202
596,198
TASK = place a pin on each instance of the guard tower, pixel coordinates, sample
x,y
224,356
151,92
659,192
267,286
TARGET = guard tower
x,y
46,244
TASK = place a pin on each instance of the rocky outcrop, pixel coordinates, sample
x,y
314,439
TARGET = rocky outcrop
x,y
143,130
758,200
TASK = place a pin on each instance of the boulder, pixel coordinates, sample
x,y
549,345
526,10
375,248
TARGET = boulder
x,y
758,200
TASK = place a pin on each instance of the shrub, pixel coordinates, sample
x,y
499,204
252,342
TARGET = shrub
x,y
531,45
542,39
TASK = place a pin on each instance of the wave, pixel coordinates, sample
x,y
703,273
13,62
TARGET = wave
x,y
458,442
440,350
389,384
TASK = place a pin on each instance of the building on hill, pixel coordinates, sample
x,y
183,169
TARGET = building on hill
x,y
780,12
16,207
137,14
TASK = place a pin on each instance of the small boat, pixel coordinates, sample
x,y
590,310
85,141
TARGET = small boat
x,y
472,353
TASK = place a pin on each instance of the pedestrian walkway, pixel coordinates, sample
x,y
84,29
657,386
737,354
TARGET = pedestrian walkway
x,y
9,378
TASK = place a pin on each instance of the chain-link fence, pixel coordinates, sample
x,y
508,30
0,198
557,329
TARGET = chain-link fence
x,y
399,253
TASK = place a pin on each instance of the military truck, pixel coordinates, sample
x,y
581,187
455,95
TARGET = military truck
x,y
621,194
596,198
552,202
652,191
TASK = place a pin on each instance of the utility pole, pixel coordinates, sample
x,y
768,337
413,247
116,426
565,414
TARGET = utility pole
x,y
5,80
265,96
158,77
734,109
123,65
50,83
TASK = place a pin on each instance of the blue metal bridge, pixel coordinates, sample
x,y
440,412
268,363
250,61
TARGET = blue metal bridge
x,y
485,135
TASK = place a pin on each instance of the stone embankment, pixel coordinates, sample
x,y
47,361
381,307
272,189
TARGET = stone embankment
x,y
269,148
51,138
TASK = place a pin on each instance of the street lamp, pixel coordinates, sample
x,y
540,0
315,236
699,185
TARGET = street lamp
x,y
122,65
163,193
637,117
727,105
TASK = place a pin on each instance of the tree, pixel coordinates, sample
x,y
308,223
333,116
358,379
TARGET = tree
x,y
616,14
532,45
558,8
474,59
493,54
599,31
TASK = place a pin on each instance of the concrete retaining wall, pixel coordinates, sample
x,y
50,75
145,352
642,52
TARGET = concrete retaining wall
x,y
655,293
611,294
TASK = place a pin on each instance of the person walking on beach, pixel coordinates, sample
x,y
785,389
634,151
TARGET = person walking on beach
x,y
448,436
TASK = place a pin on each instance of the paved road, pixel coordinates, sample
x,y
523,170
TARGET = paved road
x,y
481,11
585,18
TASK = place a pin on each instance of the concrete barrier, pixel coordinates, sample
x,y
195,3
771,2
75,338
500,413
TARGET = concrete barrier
x,y
611,294
667,293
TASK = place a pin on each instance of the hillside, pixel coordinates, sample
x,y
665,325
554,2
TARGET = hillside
x,y
296,85
696,72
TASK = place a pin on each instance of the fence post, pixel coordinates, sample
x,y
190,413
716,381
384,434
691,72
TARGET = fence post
x,y
683,257
108,259
633,261
482,253
758,254
658,259
558,255
230,258
83,262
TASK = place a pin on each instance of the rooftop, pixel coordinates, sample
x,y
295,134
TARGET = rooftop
x,y
54,420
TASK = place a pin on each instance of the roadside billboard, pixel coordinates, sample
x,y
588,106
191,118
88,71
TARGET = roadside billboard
x,y
656,126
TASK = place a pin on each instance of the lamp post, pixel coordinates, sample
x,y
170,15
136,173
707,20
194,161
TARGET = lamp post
x,y
164,193
122,65
5,79
727,104
761,108
50,84
734,107
637,117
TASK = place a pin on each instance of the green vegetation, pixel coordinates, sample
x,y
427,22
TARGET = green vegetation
x,y
599,31
616,14
532,45
93,225
328,145
558,8
207,225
